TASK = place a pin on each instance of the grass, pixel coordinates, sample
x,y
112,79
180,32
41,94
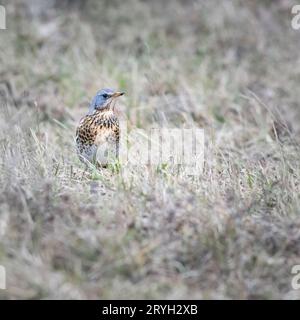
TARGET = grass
x,y
230,68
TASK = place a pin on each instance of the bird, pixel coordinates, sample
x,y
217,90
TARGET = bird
x,y
98,132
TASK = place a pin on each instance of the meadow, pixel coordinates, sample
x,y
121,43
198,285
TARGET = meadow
x,y
230,67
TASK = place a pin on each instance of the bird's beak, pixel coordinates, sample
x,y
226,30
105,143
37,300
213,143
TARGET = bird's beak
x,y
117,94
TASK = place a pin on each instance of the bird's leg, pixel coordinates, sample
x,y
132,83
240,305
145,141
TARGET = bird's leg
x,y
117,142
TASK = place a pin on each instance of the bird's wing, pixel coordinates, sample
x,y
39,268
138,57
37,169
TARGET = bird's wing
x,y
86,131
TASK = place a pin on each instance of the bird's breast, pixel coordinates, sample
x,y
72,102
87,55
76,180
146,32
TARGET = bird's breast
x,y
98,128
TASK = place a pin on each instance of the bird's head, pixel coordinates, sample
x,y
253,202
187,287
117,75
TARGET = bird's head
x,y
103,99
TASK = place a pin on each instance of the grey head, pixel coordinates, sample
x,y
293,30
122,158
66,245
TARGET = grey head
x,y
103,99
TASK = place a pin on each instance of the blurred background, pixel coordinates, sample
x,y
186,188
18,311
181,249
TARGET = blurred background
x,y
230,67
214,51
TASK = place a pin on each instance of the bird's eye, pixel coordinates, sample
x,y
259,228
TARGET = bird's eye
x,y
105,96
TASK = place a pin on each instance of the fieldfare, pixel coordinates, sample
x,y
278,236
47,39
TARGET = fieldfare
x,y
98,133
